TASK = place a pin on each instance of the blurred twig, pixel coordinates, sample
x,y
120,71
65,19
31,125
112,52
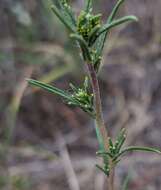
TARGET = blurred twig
x,y
15,104
72,179
99,181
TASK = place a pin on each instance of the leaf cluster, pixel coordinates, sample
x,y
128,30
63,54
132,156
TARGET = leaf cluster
x,y
64,12
90,34
88,29
76,97
116,151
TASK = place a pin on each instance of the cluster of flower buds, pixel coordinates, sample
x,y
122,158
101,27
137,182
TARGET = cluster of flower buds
x,y
64,3
83,98
96,59
116,151
79,97
88,29
86,23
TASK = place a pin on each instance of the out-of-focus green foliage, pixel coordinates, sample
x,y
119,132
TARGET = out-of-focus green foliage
x,y
20,183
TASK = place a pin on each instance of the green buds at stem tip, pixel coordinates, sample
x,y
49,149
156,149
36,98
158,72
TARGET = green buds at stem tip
x,y
116,152
79,98
87,29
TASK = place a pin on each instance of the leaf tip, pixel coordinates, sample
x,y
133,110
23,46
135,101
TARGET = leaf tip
x,y
159,152
134,18
28,79
72,35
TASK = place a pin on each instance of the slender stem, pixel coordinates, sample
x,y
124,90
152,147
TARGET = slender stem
x,y
98,107
111,179
100,125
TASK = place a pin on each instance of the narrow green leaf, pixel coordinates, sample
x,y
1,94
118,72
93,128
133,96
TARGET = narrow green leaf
x,y
120,140
86,84
49,88
91,114
79,39
115,162
93,35
73,87
122,20
102,153
115,10
103,170
61,17
68,14
121,134
126,182
88,5
71,100
100,42
59,92
135,148
110,142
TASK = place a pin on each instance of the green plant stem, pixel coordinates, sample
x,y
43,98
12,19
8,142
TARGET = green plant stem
x,y
102,133
98,108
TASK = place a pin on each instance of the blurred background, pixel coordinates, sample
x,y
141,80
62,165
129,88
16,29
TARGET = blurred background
x,y
45,145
